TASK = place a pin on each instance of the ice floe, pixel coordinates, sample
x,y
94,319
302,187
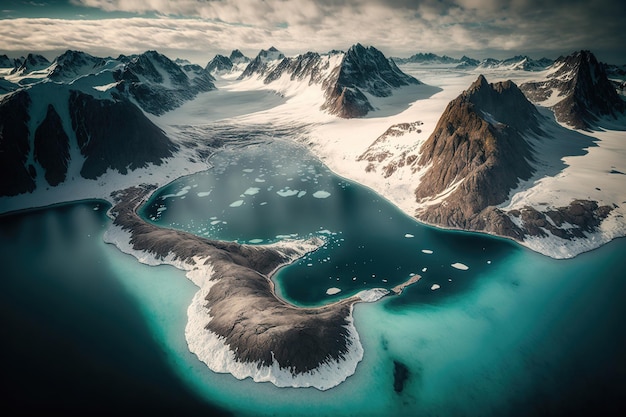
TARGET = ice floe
x,y
435,287
236,203
427,251
408,235
321,194
333,291
459,265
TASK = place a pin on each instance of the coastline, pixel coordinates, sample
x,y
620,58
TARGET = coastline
x,y
237,323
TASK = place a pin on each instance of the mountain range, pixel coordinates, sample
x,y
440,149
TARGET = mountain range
x,y
81,116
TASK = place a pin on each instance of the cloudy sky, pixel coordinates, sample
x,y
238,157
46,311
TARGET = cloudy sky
x,y
198,29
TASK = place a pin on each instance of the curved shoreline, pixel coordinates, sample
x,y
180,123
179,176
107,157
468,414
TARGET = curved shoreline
x,y
237,323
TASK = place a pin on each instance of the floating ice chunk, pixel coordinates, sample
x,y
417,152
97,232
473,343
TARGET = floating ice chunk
x,y
236,203
435,287
161,209
301,194
309,265
263,203
459,265
427,251
333,291
181,193
203,193
259,180
285,192
408,235
254,241
214,222
489,262
325,232
248,170
424,269
252,191
321,194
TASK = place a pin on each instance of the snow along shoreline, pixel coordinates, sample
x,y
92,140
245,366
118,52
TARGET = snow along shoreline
x,y
207,272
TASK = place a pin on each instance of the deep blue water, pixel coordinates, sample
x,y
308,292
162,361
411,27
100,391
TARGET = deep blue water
x,y
518,333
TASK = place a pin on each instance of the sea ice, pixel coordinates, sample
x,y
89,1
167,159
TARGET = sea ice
x,y
435,287
252,191
255,241
321,194
408,235
203,193
427,251
459,265
285,192
236,203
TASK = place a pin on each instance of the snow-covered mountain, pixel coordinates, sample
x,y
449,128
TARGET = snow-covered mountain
x,y
224,65
32,62
344,77
158,84
578,91
91,118
5,62
482,148
517,63
426,58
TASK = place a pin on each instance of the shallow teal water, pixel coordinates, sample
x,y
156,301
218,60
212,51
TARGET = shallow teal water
x,y
515,334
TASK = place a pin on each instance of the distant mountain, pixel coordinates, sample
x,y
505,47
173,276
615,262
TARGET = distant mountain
x,y
91,118
237,57
578,90
158,84
344,77
72,64
426,58
32,62
467,62
219,64
5,62
518,63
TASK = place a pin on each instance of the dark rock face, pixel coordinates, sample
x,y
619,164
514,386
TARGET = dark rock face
x,y
259,64
5,62
115,134
32,62
581,216
72,64
219,63
478,141
158,84
587,93
52,147
237,57
14,145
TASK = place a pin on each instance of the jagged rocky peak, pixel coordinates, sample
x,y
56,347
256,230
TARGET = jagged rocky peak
x,y
219,63
159,84
5,62
237,57
33,62
71,64
582,82
369,69
475,158
259,65
502,103
427,58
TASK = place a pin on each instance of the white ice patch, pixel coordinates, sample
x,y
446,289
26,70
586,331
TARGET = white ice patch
x,y
286,192
255,241
181,193
237,203
252,191
301,194
408,235
435,287
321,194
427,251
333,291
203,193
459,265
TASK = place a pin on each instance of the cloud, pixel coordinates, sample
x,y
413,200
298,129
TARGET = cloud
x,y
398,27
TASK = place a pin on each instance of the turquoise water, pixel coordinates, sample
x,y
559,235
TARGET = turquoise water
x,y
516,334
